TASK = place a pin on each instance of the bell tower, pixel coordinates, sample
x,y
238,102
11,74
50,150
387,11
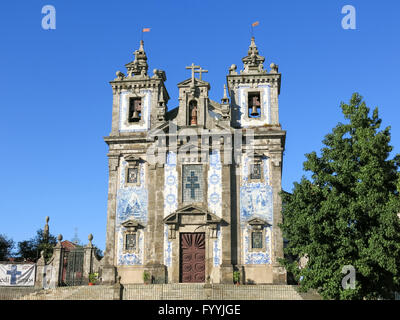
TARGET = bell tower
x,y
254,91
139,101
139,105
254,95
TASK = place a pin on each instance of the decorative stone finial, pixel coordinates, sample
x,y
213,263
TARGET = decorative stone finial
x,y
253,63
225,108
161,108
139,66
120,75
59,238
225,99
90,238
274,68
252,48
46,229
232,69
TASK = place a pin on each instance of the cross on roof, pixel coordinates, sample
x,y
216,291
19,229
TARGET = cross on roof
x,y
192,67
200,71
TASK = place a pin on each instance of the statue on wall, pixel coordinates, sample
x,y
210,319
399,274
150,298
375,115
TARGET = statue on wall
x,y
193,113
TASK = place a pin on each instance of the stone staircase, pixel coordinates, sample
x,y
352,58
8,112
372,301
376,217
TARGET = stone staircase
x,y
214,292
72,293
173,292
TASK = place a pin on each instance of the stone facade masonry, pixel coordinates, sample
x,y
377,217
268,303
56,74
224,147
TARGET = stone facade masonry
x,y
233,150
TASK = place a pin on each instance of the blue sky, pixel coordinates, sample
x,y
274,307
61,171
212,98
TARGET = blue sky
x,y
55,99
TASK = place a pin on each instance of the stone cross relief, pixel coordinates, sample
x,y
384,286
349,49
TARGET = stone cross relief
x,y
192,185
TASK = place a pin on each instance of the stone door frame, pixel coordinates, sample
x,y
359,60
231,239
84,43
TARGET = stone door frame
x,y
191,219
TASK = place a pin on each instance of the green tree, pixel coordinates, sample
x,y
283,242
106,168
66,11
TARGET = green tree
x,y
31,249
6,247
346,213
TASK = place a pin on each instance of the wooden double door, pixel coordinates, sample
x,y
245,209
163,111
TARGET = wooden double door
x,y
192,257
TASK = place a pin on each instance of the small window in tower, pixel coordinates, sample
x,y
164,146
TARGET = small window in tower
x,y
256,240
255,171
132,175
254,105
130,241
135,109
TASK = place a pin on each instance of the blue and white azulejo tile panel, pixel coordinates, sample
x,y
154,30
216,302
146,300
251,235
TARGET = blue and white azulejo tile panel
x,y
217,246
257,257
256,201
256,198
129,259
170,185
170,200
167,248
214,194
132,203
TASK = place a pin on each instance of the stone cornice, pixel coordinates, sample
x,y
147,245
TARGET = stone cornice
x,y
139,83
125,139
257,133
268,78
249,78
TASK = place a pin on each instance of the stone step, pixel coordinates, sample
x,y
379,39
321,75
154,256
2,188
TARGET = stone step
x,y
174,292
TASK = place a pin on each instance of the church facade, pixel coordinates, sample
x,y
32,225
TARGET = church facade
x,y
193,192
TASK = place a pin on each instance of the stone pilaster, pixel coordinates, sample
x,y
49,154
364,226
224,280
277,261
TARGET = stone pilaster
x,y
155,225
57,264
279,273
115,113
40,269
226,226
108,270
88,259
274,103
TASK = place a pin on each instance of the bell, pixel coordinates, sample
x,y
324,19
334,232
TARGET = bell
x,y
255,104
135,116
254,112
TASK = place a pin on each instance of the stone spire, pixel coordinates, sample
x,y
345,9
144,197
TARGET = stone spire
x,y
253,62
225,99
161,108
225,108
139,66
